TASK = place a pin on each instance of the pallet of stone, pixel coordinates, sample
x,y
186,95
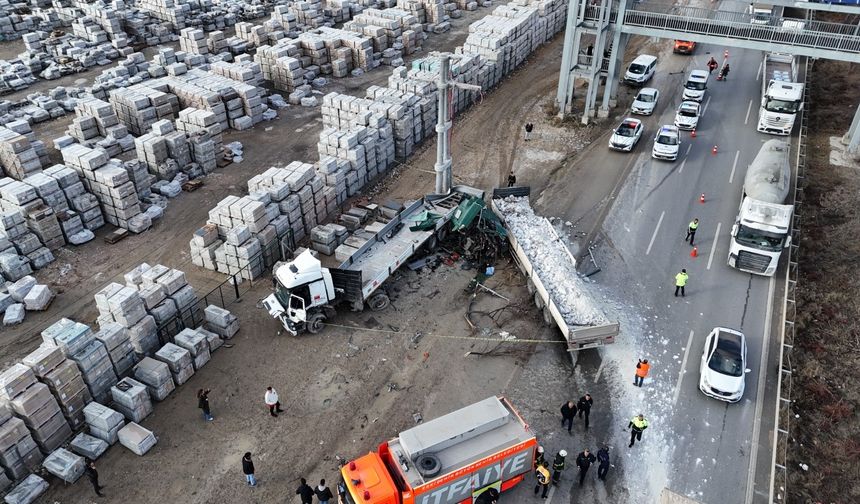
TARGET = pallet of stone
x,y
65,465
88,446
157,377
69,335
179,361
120,303
19,453
96,369
67,385
103,422
196,344
220,321
39,298
19,289
144,336
44,359
136,438
215,341
131,398
118,345
15,380
27,491
39,410
13,315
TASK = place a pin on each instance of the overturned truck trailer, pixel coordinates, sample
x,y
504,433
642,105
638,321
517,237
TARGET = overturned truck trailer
x,y
550,269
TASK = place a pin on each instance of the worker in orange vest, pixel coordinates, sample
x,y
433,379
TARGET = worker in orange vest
x,y
641,372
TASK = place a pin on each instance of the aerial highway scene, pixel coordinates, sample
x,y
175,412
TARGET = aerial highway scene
x,y
429,251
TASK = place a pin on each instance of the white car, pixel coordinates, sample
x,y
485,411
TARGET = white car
x,y
626,135
667,143
723,369
645,101
687,117
697,83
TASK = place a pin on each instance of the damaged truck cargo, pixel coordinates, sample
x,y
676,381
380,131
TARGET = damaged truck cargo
x,y
550,269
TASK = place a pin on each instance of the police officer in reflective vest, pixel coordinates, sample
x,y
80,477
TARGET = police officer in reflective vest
x,y
637,425
681,282
558,466
542,475
691,231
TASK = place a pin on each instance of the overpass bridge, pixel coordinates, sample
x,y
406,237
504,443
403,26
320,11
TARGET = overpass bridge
x,y
611,22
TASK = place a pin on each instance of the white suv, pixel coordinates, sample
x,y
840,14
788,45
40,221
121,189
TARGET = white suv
x,y
667,143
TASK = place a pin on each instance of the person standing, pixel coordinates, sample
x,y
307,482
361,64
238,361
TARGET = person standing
x,y
642,368
341,492
602,462
568,413
681,282
584,461
724,73
542,476
512,179
584,407
539,457
529,128
637,425
203,403
248,469
305,492
323,492
691,231
272,401
93,475
558,466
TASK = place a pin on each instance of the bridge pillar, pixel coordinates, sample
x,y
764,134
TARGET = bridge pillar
x,y
852,138
610,91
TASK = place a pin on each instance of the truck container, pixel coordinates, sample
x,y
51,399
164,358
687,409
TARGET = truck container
x,y
452,459
781,94
762,227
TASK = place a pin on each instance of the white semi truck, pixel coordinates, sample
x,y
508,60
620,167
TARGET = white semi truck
x,y
763,224
781,94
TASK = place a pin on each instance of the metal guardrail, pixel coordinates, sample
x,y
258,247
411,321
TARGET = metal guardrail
x,y
692,20
782,420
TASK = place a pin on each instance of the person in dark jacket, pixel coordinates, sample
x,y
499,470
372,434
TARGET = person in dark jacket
x,y
93,475
584,461
539,456
203,403
568,412
305,492
558,466
323,492
512,179
584,407
603,462
248,469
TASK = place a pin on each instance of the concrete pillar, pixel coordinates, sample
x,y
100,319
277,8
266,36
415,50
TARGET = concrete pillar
x,y
852,138
564,96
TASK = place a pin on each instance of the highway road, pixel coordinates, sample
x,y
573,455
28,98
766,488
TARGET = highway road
x,y
696,446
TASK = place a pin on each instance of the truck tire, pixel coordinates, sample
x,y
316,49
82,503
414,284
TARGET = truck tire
x,y
428,465
538,301
547,316
431,244
531,286
315,323
442,232
378,301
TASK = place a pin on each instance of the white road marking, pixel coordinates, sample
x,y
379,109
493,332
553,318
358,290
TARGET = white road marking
x,y
681,168
734,165
758,72
714,246
759,400
550,494
653,236
599,370
705,108
683,367
749,109
688,149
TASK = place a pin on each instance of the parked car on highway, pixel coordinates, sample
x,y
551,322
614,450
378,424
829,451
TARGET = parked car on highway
x,y
687,117
684,47
723,369
667,143
641,69
697,83
626,135
645,101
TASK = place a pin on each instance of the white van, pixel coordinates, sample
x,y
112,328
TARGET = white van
x,y
697,83
641,69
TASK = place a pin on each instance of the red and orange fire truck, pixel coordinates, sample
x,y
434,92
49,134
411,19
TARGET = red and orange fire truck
x,y
451,459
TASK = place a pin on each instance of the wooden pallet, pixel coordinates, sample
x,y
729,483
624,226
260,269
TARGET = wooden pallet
x,y
116,235
192,185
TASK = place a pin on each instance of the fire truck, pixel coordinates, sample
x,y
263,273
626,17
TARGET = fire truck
x,y
451,459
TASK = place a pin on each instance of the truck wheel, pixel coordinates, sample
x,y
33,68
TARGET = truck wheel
x,y
538,301
547,316
432,243
442,232
315,323
531,286
428,465
378,301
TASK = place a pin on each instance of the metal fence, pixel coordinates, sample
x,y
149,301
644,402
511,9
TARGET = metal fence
x,y
779,473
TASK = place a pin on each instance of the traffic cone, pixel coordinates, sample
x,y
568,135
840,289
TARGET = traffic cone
x,y
726,54
694,252
693,133
702,199
714,150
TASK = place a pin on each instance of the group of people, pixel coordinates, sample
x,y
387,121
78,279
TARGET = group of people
x,y
724,73
583,463
569,411
305,492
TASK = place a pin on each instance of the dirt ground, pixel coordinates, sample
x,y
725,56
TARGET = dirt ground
x,y
361,380
825,432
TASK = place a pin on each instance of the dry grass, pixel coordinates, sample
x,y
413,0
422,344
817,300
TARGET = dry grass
x,y
826,356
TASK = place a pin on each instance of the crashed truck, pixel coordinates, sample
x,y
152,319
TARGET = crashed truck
x,y
550,269
468,455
